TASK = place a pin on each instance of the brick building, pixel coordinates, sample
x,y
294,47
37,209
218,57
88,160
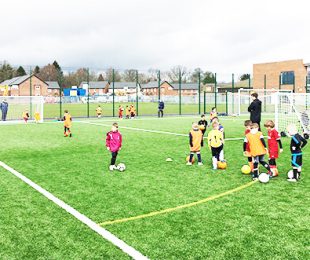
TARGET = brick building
x,y
286,75
170,89
20,86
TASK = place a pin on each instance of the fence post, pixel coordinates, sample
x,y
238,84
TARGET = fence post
x,y
137,89
204,102
30,110
113,98
180,78
265,86
60,101
199,110
249,81
158,80
88,88
294,90
215,90
226,103
306,92
280,82
233,92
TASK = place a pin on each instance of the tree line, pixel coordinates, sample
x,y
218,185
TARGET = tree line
x,y
69,78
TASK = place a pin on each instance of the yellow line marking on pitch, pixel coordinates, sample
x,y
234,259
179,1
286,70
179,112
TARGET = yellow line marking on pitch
x,y
159,212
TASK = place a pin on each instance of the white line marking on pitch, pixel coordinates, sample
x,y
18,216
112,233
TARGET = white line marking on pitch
x,y
91,224
150,131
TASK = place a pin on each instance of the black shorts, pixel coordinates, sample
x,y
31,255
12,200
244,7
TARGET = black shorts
x,y
216,151
297,160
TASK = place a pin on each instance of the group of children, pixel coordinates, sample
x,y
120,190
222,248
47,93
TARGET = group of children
x,y
254,145
26,116
215,139
255,148
130,111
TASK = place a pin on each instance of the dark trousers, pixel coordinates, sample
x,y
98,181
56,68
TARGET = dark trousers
x,y
113,159
160,112
4,113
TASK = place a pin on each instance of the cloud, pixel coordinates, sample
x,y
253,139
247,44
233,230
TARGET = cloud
x,y
223,36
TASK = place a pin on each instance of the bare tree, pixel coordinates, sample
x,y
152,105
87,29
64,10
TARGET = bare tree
x,y
109,75
177,71
129,75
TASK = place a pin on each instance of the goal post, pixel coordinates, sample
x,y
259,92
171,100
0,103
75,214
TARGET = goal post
x,y
19,104
267,96
293,108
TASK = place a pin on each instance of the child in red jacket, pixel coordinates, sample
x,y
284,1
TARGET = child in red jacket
x,y
274,142
114,144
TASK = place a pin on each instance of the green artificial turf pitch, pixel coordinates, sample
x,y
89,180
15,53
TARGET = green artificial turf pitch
x,y
263,221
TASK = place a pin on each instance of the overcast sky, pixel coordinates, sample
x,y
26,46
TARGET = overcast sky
x,y
221,36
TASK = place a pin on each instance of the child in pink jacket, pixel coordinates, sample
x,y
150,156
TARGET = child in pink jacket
x,y
114,144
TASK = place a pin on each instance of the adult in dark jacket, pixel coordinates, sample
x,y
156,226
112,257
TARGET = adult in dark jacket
x,y
4,107
255,109
161,107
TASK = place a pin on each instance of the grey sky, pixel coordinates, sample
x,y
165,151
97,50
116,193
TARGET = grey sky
x,y
222,36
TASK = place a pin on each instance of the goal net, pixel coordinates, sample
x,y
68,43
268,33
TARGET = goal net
x,y
268,98
292,108
19,104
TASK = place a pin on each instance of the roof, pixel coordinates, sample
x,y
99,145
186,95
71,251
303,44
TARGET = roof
x,y
18,80
15,80
151,84
95,84
122,85
184,86
52,85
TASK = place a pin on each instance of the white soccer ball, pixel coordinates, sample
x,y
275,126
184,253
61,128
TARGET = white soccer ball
x,y
290,174
121,167
263,178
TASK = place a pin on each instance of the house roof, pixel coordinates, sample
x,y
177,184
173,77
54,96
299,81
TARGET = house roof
x,y
18,80
175,86
95,84
151,84
185,86
52,85
122,85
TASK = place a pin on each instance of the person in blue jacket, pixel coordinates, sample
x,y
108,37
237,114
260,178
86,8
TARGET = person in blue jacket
x,y
161,107
4,107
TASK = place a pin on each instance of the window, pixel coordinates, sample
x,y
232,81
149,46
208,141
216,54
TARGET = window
x,y
287,78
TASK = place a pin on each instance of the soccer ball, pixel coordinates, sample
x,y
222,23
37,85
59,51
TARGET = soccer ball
x,y
187,159
121,167
246,169
222,165
263,178
202,127
290,174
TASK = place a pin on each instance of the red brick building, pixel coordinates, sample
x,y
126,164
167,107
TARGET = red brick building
x,y
170,89
286,75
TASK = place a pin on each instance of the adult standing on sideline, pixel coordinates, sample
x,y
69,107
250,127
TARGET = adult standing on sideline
x,y
4,107
255,109
161,107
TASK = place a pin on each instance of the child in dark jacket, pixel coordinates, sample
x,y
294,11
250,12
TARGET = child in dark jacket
x,y
114,144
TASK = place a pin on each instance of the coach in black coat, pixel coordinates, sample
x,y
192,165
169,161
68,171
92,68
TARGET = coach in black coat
x,y
255,109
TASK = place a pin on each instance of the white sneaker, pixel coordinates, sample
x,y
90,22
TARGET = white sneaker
x,y
188,163
200,163
112,167
292,180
